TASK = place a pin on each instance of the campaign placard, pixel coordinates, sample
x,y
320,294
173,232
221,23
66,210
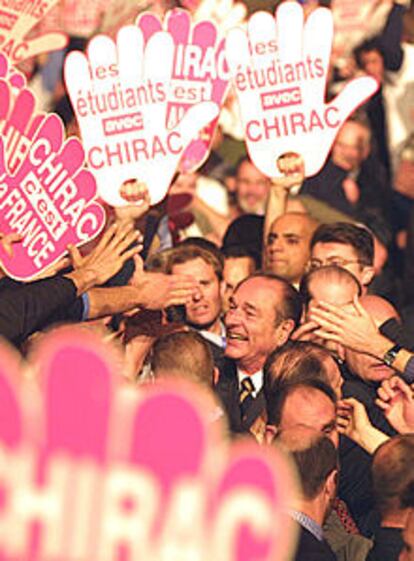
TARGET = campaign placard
x,y
199,74
49,201
279,70
91,470
119,92
17,20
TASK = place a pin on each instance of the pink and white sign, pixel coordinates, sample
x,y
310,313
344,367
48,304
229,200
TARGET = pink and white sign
x,y
199,74
49,201
93,471
279,70
17,20
119,92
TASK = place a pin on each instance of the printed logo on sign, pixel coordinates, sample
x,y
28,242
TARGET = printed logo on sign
x,y
123,124
281,98
7,20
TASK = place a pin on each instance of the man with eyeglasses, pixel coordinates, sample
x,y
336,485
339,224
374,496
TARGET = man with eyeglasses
x,y
351,247
345,245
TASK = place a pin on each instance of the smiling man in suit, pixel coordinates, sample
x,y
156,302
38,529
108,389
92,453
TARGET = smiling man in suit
x,y
264,311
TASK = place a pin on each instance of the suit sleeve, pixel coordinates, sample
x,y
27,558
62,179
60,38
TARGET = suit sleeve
x,y
29,307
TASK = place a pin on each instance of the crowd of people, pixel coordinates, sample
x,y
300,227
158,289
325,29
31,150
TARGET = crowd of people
x,y
288,300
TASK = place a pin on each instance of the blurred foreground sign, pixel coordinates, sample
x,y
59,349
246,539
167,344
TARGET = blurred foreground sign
x,y
92,471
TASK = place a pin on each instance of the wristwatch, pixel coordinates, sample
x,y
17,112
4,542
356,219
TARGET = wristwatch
x,y
391,355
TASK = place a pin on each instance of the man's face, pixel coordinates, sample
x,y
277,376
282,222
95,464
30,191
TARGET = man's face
x,y
312,408
407,553
235,270
251,323
351,146
373,64
252,188
287,247
342,255
205,306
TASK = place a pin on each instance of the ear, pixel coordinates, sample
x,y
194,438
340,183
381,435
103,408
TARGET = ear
x,y
222,289
367,275
284,331
331,484
216,375
270,433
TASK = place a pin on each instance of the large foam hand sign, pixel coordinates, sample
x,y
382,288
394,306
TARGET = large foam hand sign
x,y
199,74
48,201
92,471
120,96
17,21
279,71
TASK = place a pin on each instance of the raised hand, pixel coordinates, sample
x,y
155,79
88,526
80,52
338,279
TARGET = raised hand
x,y
48,201
19,19
395,398
279,70
119,93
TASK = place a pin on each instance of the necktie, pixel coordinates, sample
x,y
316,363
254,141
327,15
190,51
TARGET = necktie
x,y
246,394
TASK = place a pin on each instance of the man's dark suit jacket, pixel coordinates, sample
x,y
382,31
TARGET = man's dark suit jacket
x,y
388,543
228,391
311,549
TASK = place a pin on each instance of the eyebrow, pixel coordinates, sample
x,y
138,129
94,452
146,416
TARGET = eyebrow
x,y
250,307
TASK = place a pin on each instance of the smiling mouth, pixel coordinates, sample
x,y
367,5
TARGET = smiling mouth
x,y
236,337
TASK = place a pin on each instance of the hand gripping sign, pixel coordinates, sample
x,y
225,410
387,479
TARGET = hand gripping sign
x,y
279,71
49,201
199,74
120,96
17,19
92,471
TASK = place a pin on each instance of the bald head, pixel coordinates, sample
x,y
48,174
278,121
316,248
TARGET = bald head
x,y
288,245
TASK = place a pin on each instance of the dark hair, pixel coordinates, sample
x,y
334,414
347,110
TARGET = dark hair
x,y
236,252
373,44
358,237
392,471
315,461
290,305
407,496
331,273
295,362
203,244
277,399
188,252
186,354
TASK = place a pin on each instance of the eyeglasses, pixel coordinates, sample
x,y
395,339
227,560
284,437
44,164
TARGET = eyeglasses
x,y
335,261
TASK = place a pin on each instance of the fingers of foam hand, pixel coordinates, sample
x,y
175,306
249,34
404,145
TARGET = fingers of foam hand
x,y
178,23
22,112
10,418
204,34
154,69
196,118
78,384
130,40
72,155
289,22
353,95
5,99
262,30
318,36
77,71
148,24
102,57
237,50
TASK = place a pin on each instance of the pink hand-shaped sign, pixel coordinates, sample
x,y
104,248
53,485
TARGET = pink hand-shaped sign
x,y
120,96
279,70
17,19
92,471
49,201
199,74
